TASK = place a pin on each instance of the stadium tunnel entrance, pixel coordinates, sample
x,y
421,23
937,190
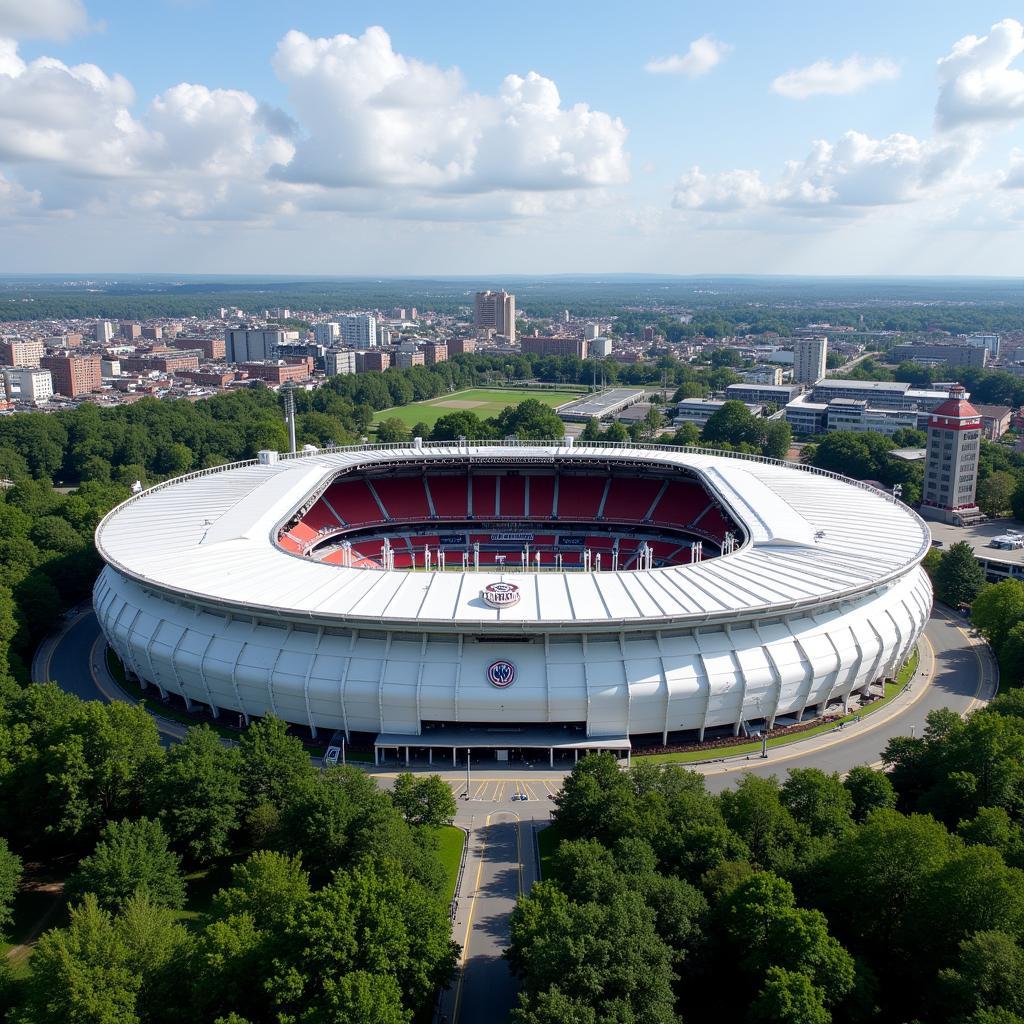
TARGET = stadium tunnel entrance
x,y
528,745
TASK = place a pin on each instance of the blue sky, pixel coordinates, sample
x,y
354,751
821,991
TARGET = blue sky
x,y
393,138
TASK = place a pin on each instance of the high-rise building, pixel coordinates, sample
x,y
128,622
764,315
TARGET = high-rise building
x,y
951,460
327,333
130,330
408,357
461,346
600,348
27,383
809,357
359,330
154,333
245,346
104,332
435,352
74,375
21,353
368,360
339,361
592,331
496,310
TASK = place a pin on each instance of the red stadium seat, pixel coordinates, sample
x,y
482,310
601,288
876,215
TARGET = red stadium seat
x,y
579,497
450,494
629,498
483,495
303,533
512,497
542,497
680,504
320,517
403,497
352,500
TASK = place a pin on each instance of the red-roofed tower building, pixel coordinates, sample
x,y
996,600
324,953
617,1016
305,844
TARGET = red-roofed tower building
x,y
951,463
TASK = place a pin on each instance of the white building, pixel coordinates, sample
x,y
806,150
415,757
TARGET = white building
x,y
592,331
104,332
245,346
809,358
27,384
339,361
987,341
327,334
600,348
359,330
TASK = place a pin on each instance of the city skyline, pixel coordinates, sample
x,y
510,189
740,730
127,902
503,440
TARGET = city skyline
x,y
361,141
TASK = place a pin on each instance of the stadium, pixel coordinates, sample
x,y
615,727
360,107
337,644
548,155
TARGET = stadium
x,y
513,595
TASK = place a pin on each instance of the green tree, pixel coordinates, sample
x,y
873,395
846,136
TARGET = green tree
x,y
392,431
10,879
789,997
778,437
995,493
997,609
755,812
1011,655
819,801
424,800
870,790
734,423
269,886
198,795
959,578
988,975
130,856
271,762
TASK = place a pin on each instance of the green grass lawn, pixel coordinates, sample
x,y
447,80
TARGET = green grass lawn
x,y
450,841
482,401
547,840
30,907
749,747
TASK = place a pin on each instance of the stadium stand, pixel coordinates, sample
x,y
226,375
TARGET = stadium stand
x,y
542,496
483,495
450,496
512,497
629,498
579,496
403,497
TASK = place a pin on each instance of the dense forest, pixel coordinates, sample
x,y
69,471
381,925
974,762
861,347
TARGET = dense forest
x,y
885,897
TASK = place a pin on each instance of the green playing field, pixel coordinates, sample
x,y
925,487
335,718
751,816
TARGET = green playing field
x,y
482,401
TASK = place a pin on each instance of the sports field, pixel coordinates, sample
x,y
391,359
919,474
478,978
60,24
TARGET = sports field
x,y
482,401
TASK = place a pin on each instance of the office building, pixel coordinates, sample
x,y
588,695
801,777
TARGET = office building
x,y
763,394
807,418
74,375
359,331
856,416
591,331
104,332
27,384
699,410
600,348
130,331
950,354
153,333
279,372
408,357
110,367
880,394
951,463
245,346
339,361
539,346
159,362
372,360
995,420
21,353
210,348
763,375
986,341
435,352
461,346
327,334
496,311
809,357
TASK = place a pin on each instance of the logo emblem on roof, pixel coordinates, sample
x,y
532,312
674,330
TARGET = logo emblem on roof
x,y
500,595
501,674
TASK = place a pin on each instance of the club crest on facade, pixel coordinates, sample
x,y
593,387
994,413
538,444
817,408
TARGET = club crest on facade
x,y
501,673
500,595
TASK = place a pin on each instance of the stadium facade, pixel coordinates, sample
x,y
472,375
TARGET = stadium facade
x,y
513,593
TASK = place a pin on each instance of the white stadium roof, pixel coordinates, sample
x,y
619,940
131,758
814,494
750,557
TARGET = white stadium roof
x,y
210,538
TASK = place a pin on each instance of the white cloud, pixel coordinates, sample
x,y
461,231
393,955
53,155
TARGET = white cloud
x,y
701,56
374,118
978,83
824,78
847,176
49,19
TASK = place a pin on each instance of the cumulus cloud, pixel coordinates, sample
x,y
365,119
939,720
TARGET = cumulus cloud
x,y
850,175
48,19
978,83
701,56
372,117
825,78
